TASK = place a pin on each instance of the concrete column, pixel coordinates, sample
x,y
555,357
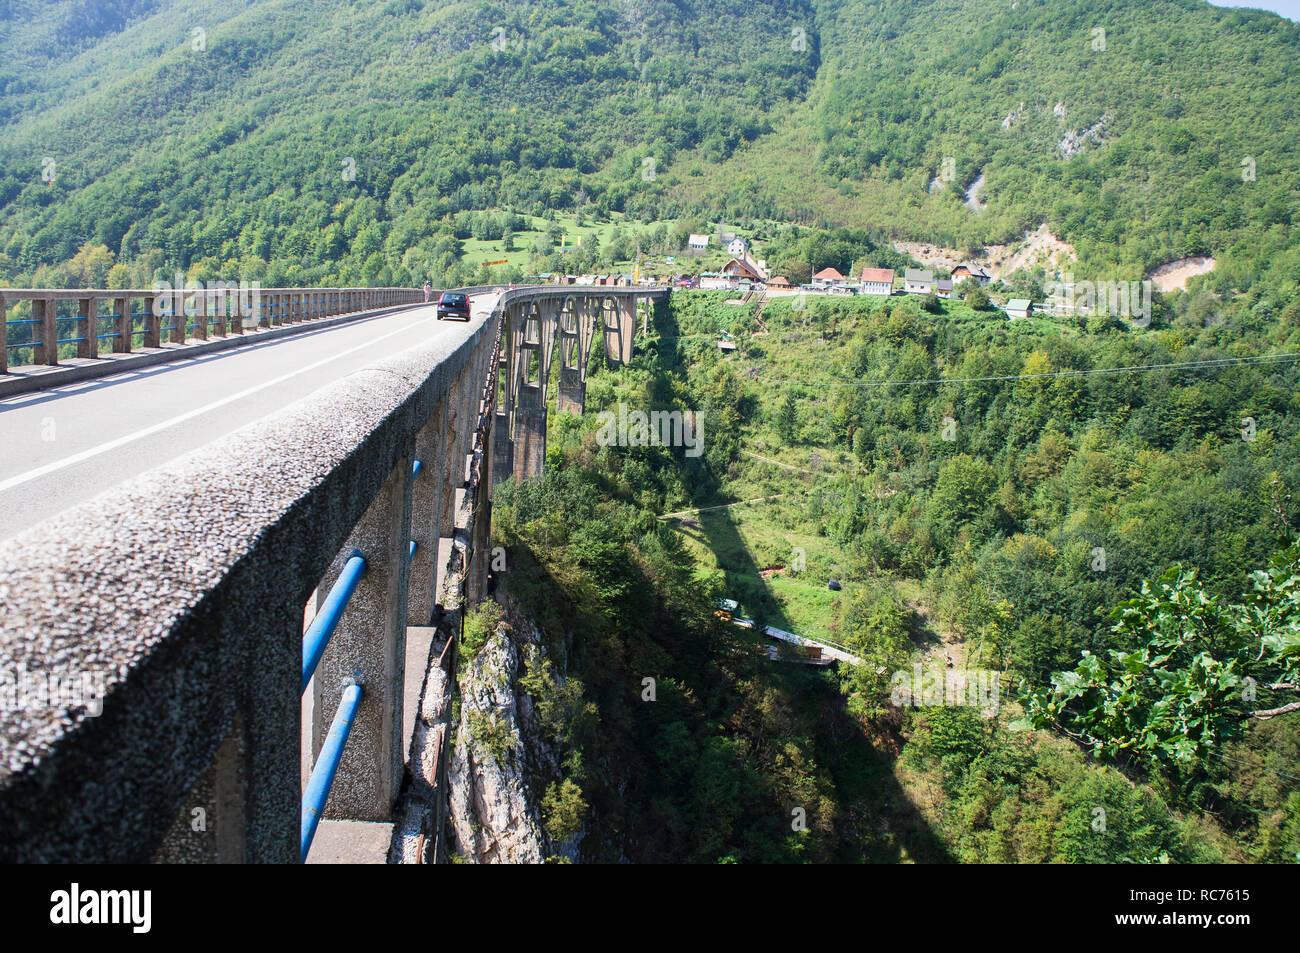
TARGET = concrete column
x,y
88,313
626,327
530,432
500,447
571,388
369,648
426,517
452,471
470,386
47,352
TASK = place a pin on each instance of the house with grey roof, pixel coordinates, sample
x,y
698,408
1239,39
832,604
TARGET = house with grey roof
x,y
917,281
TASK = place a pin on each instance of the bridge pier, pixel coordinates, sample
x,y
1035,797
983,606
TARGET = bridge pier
x,y
530,433
369,648
618,320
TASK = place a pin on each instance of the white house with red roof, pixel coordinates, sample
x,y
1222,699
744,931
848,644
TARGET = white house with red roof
x,y
876,281
827,278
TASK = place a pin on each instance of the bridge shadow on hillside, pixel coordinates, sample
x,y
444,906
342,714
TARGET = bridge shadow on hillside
x,y
878,821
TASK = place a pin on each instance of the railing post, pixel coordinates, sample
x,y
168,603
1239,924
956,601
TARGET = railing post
x,y
180,320
152,323
47,352
369,648
4,336
88,317
122,306
201,314
234,311
217,312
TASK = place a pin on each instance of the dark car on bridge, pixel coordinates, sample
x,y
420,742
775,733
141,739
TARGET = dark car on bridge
x,y
453,304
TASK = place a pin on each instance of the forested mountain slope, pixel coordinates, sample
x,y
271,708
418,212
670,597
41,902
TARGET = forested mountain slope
x,y
241,150
1139,131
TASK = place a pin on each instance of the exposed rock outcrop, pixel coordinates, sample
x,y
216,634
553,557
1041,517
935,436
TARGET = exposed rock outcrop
x,y
501,765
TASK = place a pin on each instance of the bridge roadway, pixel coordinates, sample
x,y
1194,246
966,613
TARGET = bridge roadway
x,y
59,447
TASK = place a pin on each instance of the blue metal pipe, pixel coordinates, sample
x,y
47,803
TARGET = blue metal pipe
x,y
327,765
322,627
411,555
416,467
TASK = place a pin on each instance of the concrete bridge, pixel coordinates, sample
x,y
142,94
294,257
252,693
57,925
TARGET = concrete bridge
x,y
186,573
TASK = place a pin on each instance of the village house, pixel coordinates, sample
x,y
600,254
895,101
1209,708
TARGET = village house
x,y
742,268
779,283
1019,308
827,278
877,281
697,243
737,247
918,282
943,288
969,270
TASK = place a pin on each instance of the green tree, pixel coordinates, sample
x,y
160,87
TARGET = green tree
x,y
787,419
1199,672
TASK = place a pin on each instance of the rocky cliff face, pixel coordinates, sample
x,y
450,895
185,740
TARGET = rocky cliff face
x,y
500,764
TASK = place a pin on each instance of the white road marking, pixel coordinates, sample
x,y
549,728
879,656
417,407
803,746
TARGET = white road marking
x,y
181,418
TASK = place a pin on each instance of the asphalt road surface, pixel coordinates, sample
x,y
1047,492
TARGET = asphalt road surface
x,y
63,446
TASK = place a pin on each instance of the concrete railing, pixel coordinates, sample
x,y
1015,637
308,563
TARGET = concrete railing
x,y
183,611
122,320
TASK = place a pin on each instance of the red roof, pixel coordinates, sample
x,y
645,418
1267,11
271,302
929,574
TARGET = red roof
x,y
885,275
828,274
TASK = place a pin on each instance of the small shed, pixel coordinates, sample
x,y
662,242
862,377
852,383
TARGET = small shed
x,y
1019,308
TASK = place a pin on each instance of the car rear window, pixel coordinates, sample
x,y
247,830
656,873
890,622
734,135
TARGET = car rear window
x,y
453,299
